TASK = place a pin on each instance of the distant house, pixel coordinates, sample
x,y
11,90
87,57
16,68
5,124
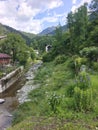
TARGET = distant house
x,y
5,59
48,48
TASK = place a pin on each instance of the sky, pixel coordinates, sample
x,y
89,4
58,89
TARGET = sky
x,y
33,16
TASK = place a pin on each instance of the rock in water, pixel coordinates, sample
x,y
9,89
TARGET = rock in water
x,y
2,100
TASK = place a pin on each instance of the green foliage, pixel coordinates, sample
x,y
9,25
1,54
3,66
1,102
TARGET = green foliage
x,y
95,66
33,55
83,80
94,10
60,59
80,61
70,90
93,35
80,93
39,42
77,24
90,52
23,58
54,102
15,46
44,72
47,57
83,99
83,95
69,104
58,33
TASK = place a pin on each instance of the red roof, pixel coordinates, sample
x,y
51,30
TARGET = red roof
x,y
3,55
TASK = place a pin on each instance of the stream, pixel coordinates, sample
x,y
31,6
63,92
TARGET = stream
x,y
15,95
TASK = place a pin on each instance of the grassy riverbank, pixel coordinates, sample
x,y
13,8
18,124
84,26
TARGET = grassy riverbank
x,y
51,106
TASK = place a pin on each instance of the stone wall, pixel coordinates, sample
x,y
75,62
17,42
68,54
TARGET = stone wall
x,y
10,79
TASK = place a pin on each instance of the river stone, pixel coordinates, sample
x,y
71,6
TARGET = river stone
x,y
2,101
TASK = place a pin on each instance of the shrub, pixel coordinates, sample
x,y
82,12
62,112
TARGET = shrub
x,y
60,59
70,90
79,62
47,57
95,66
54,101
90,52
83,99
83,80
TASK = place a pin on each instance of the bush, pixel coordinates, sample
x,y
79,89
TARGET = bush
x,y
81,61
81,93
83,80
95,66
70,90
54,101
47,57
90,52
60,59
83,99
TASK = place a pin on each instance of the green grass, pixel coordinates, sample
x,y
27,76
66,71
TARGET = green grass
x,y
52,123
55,79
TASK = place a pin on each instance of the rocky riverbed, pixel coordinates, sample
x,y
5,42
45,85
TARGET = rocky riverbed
x,y
22,94
16,95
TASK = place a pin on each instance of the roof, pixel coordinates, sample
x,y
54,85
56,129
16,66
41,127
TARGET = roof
x,y
3,55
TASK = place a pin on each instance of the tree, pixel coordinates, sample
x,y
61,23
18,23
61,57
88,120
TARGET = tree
x,y
93,24
94,10
77,24
58,33
90,52
70,23
14,44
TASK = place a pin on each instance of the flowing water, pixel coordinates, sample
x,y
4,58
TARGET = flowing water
x,y
16,95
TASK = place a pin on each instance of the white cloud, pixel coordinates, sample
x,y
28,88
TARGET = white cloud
x,y
55,18
20,14
74,7
74,1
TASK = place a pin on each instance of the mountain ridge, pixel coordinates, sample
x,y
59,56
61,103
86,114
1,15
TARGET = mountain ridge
x,y
51,30
4,30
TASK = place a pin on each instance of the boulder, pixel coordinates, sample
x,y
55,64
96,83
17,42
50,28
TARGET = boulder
x,y
2,100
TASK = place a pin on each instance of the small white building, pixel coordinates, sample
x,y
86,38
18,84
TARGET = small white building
x,y
48,48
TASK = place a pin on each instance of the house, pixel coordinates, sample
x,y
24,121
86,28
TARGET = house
x,y
48,48
5,59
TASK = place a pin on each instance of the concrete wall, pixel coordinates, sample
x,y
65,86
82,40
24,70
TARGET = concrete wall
x,y
10,79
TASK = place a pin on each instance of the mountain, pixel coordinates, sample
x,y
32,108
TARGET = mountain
x,y
4,30
51,30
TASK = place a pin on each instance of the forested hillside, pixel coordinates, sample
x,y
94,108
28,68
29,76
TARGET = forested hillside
x,y
4,30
